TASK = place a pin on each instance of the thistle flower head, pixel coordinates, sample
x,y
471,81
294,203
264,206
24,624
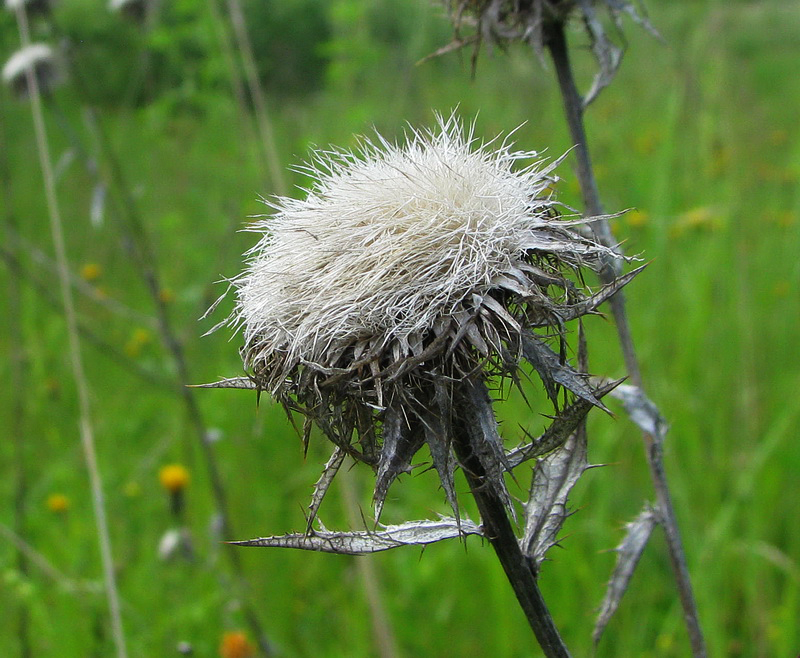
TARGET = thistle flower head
x,y
532,21
406,270
136,10
37,57
31,6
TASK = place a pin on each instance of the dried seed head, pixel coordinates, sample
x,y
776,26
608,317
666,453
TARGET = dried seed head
x,y
406,269
135,10
499,22
32,7
37,57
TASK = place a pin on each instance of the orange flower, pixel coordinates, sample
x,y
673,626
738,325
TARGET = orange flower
x,y
173,477
58,503
236,645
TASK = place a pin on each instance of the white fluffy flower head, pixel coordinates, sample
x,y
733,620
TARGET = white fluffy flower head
x,y
377,305
392,241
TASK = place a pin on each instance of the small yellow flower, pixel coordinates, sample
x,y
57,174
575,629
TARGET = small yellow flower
x,y
139,338
700,218
235,645
173,477
91,272
58,503
636,218
166,295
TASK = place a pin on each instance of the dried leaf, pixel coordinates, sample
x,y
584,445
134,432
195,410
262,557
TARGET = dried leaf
x,y
628,554
411,533
558,431
321,487
485,441
591,303
642,411
400,444
546,509
230,382
553,371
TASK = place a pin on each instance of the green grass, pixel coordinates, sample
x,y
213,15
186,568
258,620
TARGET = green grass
x,y
700,135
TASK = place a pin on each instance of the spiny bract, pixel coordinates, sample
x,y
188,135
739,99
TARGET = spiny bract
x,y
406,270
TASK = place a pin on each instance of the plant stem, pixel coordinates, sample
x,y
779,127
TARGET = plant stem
x,y
85,422
497,528
18,360
573,108
266,133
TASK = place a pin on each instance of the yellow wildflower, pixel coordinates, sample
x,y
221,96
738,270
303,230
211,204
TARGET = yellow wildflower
x,y
636,218
139,338
174,477
166,295
91,272
58,503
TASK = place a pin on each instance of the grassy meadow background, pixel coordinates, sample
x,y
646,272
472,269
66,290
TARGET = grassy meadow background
x,y
700,135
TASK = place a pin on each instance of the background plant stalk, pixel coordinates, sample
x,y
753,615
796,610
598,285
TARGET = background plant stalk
x,y
574,108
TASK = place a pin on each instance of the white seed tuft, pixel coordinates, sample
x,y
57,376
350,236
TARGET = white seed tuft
x,y
392,238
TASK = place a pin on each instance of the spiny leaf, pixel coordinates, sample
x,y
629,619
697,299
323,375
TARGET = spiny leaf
x,y
554,372
438,436
628,554
546,509
400,443
485,441
559,430
322,485
231,382
411,533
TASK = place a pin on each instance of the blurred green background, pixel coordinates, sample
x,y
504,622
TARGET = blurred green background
x,y
699,134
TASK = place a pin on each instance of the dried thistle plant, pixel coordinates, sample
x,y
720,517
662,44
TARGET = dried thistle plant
x,y
383,305
500,22
543,24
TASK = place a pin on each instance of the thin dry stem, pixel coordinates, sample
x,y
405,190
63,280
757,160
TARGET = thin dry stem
x,y
143,255
18,357
256,92
573,107
85,422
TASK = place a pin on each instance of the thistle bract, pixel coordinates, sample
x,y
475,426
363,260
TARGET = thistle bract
x,y
409,274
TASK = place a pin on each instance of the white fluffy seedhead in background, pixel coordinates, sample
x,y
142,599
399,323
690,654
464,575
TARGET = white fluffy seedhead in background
x,y
391,239
39,58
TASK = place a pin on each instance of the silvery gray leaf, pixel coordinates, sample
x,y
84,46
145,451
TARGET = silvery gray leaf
x,y
628,554
231,382
322,485
411,533
546,509
642,411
